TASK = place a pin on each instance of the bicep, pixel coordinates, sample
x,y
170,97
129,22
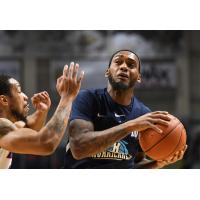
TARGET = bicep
x,y
79,127
80,133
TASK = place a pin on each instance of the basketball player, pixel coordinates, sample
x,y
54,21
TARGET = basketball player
x,y
104,124
14,109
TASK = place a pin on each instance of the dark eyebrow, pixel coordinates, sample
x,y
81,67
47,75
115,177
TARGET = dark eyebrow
x,y
117,56
132,60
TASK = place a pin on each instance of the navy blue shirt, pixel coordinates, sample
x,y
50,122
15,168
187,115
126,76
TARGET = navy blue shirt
x,y
98,107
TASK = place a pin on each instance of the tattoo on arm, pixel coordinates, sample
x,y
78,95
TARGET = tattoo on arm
x,y
60,119
107,139
89,142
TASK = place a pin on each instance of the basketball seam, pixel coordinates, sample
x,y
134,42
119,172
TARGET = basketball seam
x,y
177,144
161,139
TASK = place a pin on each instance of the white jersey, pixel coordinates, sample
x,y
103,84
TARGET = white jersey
x,y
5,159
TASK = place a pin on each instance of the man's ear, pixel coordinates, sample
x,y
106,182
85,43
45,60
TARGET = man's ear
x,y
3,100
107,72
139,80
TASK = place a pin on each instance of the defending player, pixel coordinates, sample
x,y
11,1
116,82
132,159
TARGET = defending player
x,y
14,107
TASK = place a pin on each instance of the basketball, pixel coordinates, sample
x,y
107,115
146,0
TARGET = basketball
x,y
161,146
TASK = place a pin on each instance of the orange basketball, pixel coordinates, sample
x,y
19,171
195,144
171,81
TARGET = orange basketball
x,y
160,146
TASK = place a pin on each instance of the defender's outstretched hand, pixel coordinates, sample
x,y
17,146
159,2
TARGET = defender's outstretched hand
x,y
69,83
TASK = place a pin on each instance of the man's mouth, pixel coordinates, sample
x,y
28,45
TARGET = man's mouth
x,y
123,76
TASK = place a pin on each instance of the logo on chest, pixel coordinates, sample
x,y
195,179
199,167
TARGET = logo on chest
x,y
134,134
118,151
119,118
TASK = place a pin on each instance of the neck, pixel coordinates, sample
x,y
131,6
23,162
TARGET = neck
x,y
122,97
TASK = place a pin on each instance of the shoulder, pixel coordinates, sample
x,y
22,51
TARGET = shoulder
x,y
91,92
6,126
4,122
89,95
139,105
85,94
85,105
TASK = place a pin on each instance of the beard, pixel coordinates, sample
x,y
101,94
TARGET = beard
x,y
119,85
18,116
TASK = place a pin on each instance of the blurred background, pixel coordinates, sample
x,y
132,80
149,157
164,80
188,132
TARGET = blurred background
x,y
170,74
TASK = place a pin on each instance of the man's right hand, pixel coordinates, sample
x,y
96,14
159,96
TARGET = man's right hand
x,y
68,85
41,101
151,120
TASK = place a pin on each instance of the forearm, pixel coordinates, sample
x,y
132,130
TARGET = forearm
x,y
37,120
89,143
55,128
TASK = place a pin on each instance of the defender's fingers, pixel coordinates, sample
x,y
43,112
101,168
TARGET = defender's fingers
x,y
71,70
80,78
59,79
65,70
75,72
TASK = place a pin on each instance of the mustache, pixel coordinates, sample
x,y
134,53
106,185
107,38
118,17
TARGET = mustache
x,y
119,85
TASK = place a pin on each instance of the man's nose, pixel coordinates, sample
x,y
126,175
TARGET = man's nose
x,y
123,66
25,97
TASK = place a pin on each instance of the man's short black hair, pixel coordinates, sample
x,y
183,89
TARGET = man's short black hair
x,y
128,51
5,86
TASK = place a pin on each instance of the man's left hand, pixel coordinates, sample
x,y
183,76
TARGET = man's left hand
x,y
176,157
41,101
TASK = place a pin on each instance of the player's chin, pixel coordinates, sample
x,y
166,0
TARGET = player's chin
x,y
122,81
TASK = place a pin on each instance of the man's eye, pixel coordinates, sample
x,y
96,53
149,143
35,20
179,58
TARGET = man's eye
x,y
131,65
118,62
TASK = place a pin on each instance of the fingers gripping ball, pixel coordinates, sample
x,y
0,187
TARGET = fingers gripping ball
x,y
160,146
